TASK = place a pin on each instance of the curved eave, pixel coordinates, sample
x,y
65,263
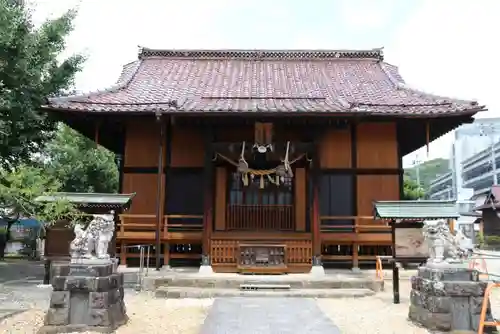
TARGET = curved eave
x,y
164,108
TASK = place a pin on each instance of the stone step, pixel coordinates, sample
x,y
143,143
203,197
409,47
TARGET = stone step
x,y
234,283
265,287
186,292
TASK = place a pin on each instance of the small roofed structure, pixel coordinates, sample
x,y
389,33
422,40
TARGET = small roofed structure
x,y
489,210
406,219
90,203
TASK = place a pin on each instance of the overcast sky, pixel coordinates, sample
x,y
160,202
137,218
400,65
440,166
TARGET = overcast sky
x,y
447,47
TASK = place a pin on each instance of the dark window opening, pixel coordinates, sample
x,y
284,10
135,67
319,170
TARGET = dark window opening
x,y
185,194
336,200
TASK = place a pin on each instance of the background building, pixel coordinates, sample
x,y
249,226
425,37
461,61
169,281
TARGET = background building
x,y
475,147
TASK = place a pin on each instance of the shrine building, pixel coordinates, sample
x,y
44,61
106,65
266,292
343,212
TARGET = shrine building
x,y
262,161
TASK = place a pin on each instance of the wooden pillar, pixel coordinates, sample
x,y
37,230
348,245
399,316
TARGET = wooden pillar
x,y
159,188
315,222
120,161
354,166
208,191
168,162
395,268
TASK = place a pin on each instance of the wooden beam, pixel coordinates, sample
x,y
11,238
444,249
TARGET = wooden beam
x,y
168,164
315,222
160,203
220,198
208,212
354,190
300,199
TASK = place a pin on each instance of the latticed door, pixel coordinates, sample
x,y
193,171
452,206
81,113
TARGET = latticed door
x,y
261,205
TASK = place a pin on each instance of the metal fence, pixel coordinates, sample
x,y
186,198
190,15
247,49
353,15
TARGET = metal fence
x,y
144,259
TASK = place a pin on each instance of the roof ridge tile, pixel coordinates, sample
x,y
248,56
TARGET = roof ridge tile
x,y
263,54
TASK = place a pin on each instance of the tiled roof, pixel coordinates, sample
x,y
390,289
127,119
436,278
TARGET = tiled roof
x,y
492,199
412,210
314,81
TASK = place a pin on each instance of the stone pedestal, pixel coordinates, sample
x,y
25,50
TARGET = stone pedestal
x,y
447,297
87,296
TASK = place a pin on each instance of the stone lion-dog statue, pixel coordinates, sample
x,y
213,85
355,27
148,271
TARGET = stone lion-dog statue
x,y
443,245
93,241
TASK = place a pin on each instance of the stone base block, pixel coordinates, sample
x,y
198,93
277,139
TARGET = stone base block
x,y
206,270
447,298
88,297
317,271
74,329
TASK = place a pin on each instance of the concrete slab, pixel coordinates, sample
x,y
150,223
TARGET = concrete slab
x,y
230,281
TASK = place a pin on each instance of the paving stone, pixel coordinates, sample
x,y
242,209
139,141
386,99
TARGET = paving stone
x,y
267,315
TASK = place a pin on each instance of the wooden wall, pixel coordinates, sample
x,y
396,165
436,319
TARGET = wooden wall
x,y
140,162
364,158
183,148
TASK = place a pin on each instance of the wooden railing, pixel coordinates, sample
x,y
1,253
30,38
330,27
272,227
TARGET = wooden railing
x,y
137,226
143,226
183,222
359,224
260,217
225,253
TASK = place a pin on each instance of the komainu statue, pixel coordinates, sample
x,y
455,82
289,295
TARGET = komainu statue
x,y
443,245
94,240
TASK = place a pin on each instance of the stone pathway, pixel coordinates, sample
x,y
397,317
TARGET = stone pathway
x,y
267,316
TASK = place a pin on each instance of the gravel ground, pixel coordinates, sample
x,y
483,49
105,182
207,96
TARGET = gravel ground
x,y
378,314
146,315
375,314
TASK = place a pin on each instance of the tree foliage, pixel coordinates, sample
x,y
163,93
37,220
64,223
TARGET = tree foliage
x,y
30,72
19,189
79,164
412,190
428,171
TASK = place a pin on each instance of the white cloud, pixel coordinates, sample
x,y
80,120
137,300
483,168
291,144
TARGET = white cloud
x,y
449,47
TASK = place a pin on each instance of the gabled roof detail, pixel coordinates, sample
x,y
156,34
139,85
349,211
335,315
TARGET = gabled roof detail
x,y
354,82
492,199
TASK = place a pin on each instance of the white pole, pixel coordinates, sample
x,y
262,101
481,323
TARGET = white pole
x,y
416,163
493,159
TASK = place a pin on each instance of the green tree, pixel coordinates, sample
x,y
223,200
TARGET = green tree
x,y
78,164
412,190
428,171
19,189
29,73
21,186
